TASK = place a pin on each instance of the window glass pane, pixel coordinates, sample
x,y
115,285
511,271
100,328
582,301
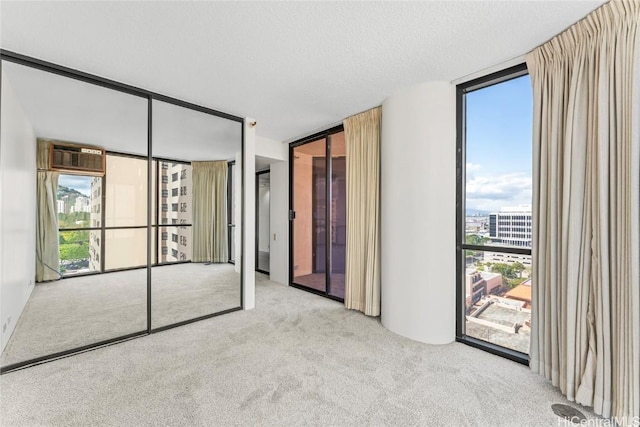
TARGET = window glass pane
x,y
497,285
125,248
79,206
174,244
498,164
309,204
498,298
79,201
126,191
338,214
79,252
175,194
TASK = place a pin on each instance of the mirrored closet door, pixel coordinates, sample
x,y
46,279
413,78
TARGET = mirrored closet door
x,y
193,276
120,212
74,214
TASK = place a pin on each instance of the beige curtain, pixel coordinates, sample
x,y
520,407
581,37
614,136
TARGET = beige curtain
x,y
362,281
210,211
47,241
586,242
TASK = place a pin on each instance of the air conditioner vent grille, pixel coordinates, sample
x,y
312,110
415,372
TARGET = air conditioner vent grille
x,y
77,159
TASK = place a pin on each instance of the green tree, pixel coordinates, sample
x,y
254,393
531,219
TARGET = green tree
x,y
74,251
475,239
75,219
511,273
518,268
74,245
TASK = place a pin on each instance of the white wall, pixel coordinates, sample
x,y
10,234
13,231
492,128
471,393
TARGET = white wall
x,y
418,192
272,149
263,219
17,211
237,220
279,222
277,153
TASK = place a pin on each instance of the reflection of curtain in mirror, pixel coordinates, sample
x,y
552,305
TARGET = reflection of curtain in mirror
x,y
210,211
47,243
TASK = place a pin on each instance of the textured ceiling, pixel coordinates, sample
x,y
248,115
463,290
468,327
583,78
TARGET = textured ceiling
x,y
294,67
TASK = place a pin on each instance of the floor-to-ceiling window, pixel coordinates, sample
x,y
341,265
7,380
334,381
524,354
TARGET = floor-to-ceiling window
x,y
318,213
494,212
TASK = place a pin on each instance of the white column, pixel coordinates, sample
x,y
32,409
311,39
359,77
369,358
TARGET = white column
x,y
249,214
418,193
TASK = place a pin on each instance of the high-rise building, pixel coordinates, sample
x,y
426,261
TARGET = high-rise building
x,y
82,204
95,218
174,242
511,226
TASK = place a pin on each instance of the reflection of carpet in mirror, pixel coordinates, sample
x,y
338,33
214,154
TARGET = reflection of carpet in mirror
x,y
78,311
317,281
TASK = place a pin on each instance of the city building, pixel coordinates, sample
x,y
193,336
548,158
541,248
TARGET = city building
x,y
174,243
511,226
82,204
522,292
95,220
479,284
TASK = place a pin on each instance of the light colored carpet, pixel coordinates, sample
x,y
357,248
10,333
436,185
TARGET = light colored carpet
x,y
297,359
78,311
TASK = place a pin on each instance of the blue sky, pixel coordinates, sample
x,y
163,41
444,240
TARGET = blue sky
x,y
499,122
80,183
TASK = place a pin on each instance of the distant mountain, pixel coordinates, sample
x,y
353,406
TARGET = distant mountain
x,y
476,212
71,192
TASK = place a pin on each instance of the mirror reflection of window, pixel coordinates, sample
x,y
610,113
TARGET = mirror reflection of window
x,y
84,148
82,289
196,233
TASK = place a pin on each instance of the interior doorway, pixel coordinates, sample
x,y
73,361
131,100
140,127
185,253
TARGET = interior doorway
x,y
263,232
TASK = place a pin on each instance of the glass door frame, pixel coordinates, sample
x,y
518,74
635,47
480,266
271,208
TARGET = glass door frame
x,y
326,135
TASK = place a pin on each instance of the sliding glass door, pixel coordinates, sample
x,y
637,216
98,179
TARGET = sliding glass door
x,y
318,214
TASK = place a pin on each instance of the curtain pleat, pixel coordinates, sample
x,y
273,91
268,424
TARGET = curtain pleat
x,y
47,240
362,281
586,240
210,240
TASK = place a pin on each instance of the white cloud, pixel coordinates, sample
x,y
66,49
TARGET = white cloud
x,y
473,167
491,193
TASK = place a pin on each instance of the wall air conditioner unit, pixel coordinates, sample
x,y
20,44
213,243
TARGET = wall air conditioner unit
x,y
77,159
